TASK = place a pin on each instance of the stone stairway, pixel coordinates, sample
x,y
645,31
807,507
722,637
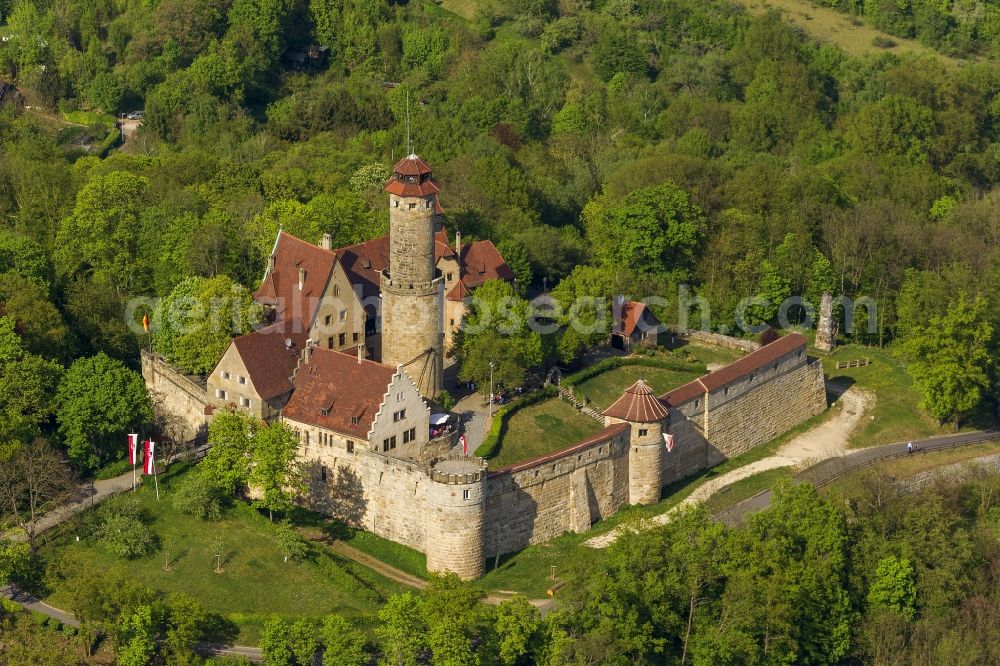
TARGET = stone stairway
x,y
582,408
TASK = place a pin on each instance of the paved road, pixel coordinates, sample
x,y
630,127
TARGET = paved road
x,y
31,603
473,411
829,470
87,496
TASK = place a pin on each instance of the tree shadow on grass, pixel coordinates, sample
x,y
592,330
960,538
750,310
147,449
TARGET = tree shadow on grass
x,y
219,629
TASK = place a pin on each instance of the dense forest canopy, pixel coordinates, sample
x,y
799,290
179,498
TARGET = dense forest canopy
x,y
607,147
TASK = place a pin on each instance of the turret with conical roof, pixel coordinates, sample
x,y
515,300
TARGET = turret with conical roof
x,y
647,416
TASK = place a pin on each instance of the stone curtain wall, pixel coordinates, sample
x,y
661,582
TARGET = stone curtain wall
x,y
565,492
752,410
178,401
773,406
383,495
719,340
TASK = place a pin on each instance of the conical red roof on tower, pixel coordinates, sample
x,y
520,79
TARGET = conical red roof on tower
x,y
638,405
411,177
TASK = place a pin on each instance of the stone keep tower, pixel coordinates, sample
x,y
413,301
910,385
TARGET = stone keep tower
x,y
646,415
412,297
456,517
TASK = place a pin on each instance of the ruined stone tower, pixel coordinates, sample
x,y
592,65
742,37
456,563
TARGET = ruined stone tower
x,y
456,517
412,297
646,414
826,331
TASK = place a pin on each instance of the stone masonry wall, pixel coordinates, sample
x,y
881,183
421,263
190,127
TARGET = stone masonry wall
x,y
719,340
178,401
378,493
534,503
761,413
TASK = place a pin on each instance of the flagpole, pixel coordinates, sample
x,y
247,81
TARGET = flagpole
x,y
152,464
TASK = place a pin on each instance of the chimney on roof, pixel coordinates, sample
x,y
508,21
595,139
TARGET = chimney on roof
x,y
271,262
458,246
327,242
307,350
361,353
302,279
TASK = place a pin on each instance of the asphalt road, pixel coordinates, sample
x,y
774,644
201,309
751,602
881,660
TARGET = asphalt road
x,y
829,470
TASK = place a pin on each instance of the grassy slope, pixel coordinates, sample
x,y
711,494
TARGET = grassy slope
x,y
896,415
828,25
542,428
607,387
256,583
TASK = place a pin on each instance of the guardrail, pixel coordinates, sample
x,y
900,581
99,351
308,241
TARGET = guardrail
x,y
832,469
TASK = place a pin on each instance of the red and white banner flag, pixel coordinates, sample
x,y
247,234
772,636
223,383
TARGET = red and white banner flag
x,y
133,448
465,445
668,439
147,464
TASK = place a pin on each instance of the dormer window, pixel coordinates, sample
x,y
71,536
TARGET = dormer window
x,y
324,411
354,420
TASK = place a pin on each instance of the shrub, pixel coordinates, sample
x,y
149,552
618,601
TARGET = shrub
x,y
290,541
125,505
112,469
197,495
125,536
883,42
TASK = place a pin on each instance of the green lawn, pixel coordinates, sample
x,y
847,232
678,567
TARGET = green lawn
x,y
542,428
607,387
464,8
256,582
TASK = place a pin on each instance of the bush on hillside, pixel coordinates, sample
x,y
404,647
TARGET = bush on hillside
x,y
197,495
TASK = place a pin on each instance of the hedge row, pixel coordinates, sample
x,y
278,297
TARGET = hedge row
x,y
614,362
491,445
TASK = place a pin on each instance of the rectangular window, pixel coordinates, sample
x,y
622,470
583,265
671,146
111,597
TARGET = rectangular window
x,y
328,320
342,339
399,396
329,343
244,402
354,337
465,494
336,290
389,444
643,432
226,375
410,436
241,379
307,438
343,315
451,276
399,416
220,393
350,446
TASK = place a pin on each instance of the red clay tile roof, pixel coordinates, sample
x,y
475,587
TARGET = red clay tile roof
x,y
754,361
737,369
638,404
281,286
458,293
482,261
441,247
269,361
411,177
682,394
364,263
349,391
634,312
606,434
